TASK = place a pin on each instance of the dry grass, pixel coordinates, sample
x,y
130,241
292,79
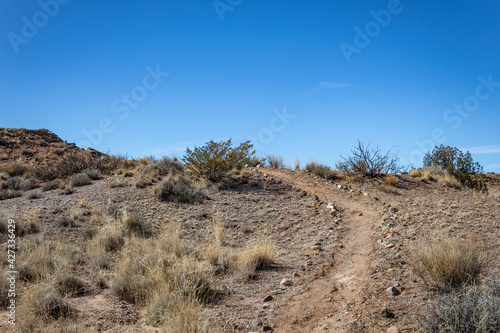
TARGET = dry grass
x,y
321,170
43,302
448,180
296,163
40,258
391,180
275,161
136,224
388,189
449,263
109,239
178,189
415,173
255,257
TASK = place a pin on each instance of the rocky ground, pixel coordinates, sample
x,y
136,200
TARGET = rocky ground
x,y
342,247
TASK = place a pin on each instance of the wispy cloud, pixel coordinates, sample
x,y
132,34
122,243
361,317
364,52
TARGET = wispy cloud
x,y
493,149
326,86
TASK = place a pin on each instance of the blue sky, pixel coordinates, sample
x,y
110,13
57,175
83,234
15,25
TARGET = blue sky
x,y
302,79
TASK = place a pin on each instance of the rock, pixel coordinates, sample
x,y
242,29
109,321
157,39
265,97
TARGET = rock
x,y
295,274
256,323
308,263
392,329
387,313
265,306
393,291
268,298
276,292
316,248
267,328
286,282
339,186
282,287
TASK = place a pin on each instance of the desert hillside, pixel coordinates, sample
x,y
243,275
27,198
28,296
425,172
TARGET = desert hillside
x,y
106,244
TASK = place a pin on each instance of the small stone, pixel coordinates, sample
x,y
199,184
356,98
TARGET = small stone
x,y
267,328
265,306
268,298
282,287
308,263
276,292
389,245
360,214
387,313
392,329
316,248
295,274
393,291
286,282
339,186
256,323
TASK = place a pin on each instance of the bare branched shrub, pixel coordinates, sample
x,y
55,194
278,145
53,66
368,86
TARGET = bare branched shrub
x,y
449,263
320,170
215,160
477,309
372,162
275,161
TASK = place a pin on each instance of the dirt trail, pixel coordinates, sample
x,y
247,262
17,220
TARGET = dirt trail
x,y
331,302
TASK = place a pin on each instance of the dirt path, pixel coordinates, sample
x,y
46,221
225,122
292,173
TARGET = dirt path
x,y
331,303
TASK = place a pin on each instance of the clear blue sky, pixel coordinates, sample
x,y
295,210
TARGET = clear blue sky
x,y
302,78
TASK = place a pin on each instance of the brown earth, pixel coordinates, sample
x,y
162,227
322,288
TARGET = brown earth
x,y
342,243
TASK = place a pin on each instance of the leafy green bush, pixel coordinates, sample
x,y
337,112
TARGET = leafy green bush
x,y
215,160
460,165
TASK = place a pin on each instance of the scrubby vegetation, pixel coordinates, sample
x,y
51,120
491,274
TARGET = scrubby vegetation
x,y
475,309
215,160
372,161
275,161
320,170
178,189
459,165
449,263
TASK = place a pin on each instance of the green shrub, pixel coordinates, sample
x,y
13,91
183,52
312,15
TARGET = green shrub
x,y
178,190
320,170
456,163
215,160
